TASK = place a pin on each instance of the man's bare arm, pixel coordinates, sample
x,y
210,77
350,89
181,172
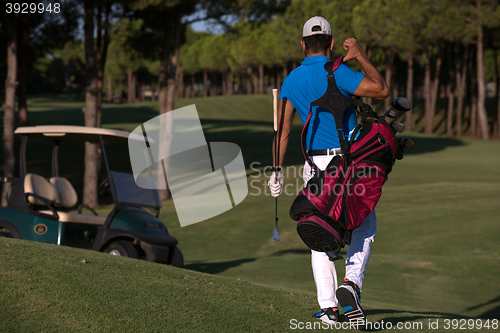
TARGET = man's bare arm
x,y
286,127
372,84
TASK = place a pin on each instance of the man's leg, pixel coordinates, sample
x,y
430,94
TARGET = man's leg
x,y
325,275
325,278
358,254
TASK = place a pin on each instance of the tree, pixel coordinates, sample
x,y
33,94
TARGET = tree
x,y
90,176
9,106
22,46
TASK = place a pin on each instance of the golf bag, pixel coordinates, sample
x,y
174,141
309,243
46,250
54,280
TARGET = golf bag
x,y
337,200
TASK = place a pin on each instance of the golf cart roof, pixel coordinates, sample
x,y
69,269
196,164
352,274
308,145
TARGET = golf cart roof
x,y
77,133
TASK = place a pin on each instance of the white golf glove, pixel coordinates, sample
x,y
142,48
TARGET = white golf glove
x,y
276,186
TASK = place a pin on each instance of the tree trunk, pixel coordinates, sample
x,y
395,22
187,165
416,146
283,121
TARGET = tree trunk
x,y
409,93
205,82
110,90
166,124
9,158
249,80
130,86
100,70
230,82
180,82
255,81
142,92
481,94
273,78
389,60
449,112
120,91
90,172
473,114
278,80
67,76
497,96
193,90
435,89
461,75
174,62
285,72
261,79
430,111
22,51
101,55
163,98
427,91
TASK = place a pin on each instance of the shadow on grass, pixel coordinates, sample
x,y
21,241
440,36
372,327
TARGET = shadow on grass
x,y
411,320
291,251
217,267
490,314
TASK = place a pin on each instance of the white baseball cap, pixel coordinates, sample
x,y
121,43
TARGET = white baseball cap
x,y
316,25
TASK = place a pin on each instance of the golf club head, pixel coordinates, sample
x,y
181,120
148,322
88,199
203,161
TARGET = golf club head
x,y
409,144
399,155
332,256
392,114
276,235
397,126
401,104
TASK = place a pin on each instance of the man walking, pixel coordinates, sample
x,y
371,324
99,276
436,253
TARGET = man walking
x,y
305,84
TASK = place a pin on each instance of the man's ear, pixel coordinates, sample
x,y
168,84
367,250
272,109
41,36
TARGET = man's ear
x,y
303,44
331,45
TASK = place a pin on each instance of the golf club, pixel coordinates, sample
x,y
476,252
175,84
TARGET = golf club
x,y
276,235
397,126
409,144
401,104
392,114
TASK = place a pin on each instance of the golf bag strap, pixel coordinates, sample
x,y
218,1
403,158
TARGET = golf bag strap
x,y
336,103
331,78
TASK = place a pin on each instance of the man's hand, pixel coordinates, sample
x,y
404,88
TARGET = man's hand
x,y
353,49
276,186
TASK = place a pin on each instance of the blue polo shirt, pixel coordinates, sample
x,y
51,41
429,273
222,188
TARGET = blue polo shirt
x,y
307,83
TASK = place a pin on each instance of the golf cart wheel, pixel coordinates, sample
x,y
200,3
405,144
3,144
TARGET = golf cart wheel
x,y
175,258
122,248
9,233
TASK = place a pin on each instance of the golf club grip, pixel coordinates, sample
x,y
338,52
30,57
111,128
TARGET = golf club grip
x,y
275,109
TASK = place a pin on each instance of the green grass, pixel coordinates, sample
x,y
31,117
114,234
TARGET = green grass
x,y
436,255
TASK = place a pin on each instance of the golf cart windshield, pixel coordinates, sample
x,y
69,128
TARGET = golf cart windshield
x,y
127,192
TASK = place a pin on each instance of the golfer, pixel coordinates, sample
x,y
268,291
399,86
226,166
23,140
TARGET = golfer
x,y
302,86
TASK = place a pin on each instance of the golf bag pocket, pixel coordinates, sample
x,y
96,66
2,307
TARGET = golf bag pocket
x,y
362,192
316,195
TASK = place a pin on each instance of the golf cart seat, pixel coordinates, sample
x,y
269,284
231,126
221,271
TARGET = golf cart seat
x,y
66,194
41,187
60,193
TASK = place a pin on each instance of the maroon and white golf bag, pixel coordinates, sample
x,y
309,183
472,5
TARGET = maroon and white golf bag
x,y
337,200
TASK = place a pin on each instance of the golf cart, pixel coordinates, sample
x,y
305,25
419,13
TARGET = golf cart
x,y
43,210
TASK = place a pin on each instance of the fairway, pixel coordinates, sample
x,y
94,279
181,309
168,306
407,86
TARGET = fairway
x,y
436,255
